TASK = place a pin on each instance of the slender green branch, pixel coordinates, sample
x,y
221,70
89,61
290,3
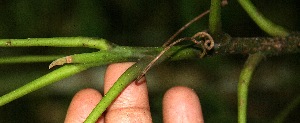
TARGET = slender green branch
x,y
117,54
58,42
215,25
264,23
99,57
243,84
45,80
122,82
124,53
28,59
284,113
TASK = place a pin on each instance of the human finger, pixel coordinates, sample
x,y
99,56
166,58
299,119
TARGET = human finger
x,y
181,105
82,105
132,105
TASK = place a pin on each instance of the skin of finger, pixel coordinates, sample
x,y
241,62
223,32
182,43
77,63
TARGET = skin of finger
x,y
82,105
181,105
132,105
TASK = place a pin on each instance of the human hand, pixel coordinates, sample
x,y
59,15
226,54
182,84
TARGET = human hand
x,y
180,104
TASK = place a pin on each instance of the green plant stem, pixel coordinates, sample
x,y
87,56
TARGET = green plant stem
x,y
123,81
124,53
215,25
100,57
264,23
284,113
28,59
101,44
45,80
243,84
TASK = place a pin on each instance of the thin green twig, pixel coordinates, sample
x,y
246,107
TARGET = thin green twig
x,y
124,53
97,43
28,59
123,81
45,80
243,84
264,23
284,113
215,17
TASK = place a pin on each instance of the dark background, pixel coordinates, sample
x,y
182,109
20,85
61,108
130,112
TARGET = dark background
x,y
146,23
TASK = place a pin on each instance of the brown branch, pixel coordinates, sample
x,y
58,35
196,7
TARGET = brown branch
x,y
266,45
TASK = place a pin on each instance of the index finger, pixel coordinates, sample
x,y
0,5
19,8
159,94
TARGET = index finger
x,y
132,104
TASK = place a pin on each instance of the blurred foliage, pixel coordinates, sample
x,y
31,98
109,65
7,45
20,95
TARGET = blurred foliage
x,y
146,23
